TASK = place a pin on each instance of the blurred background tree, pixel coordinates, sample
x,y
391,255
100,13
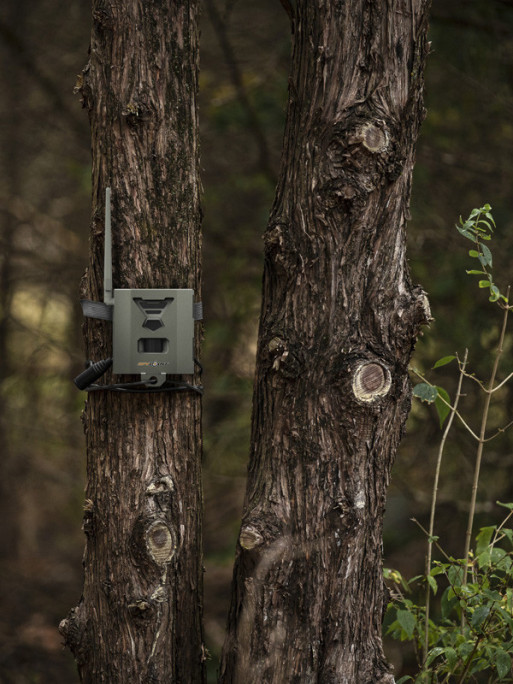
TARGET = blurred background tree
x,y
464,159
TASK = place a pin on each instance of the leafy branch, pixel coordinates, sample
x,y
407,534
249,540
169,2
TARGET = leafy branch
x,y
478,228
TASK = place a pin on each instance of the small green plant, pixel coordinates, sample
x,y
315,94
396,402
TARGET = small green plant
x,y
475,630
474,633
478,228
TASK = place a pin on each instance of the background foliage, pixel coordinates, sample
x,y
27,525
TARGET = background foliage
x,y
464,158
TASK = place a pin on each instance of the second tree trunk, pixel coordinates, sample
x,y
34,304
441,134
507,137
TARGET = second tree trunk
x,y
338,325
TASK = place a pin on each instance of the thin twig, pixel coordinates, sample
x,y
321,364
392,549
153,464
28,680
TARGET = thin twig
x,y
480,637
469,659
459,416
446,556
481,442
496,537
501,384
499,432
481,384
434,500
456,413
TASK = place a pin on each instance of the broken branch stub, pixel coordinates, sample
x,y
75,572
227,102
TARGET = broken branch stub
x,y
371,381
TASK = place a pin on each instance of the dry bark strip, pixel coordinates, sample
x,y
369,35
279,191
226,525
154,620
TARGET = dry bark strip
x,y
339,321
139,619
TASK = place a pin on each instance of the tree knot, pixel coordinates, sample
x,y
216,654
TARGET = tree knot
x,y
374,136
371,381
160,542
250,537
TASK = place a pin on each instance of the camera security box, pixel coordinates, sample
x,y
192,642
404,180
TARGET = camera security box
x,y
153,329
153,332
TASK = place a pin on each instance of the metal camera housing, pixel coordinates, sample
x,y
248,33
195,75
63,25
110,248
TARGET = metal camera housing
x,y
153,333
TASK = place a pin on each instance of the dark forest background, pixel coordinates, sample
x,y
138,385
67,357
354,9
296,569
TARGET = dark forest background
x,y
464,159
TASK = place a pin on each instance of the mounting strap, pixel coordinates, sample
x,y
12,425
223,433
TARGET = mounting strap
x,y
105,311
97,310
197,311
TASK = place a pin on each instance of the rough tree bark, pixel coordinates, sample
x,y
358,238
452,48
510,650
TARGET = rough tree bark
x,y
339,321
139,619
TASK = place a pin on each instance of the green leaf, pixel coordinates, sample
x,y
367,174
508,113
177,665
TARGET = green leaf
x,y
396,577
466,233
425,392
505,505
484,283
497,555
479,615
473,253
487,255
488,225
447,603
465,649
495,294
442,409
437,570
478,665
452,657
474,272
432,583
455,574
407,622
502,663
434,653
395,629
508,533
506,617
483,559
483,538
404,679
492,595
444,360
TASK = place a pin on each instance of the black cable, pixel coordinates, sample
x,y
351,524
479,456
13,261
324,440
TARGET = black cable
x,y
92,373
137,387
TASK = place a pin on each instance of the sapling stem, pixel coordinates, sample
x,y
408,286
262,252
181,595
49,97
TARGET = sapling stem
x,y
456,413
496,537
502,383
482,440
485,389
434,500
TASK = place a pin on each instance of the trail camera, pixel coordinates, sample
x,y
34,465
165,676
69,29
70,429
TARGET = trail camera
x,y
153,329
153,332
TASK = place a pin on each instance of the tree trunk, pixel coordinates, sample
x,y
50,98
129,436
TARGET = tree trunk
x,y
139,619
339,322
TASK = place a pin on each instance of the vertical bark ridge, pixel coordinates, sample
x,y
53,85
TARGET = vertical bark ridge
x,y
140,615
339,322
